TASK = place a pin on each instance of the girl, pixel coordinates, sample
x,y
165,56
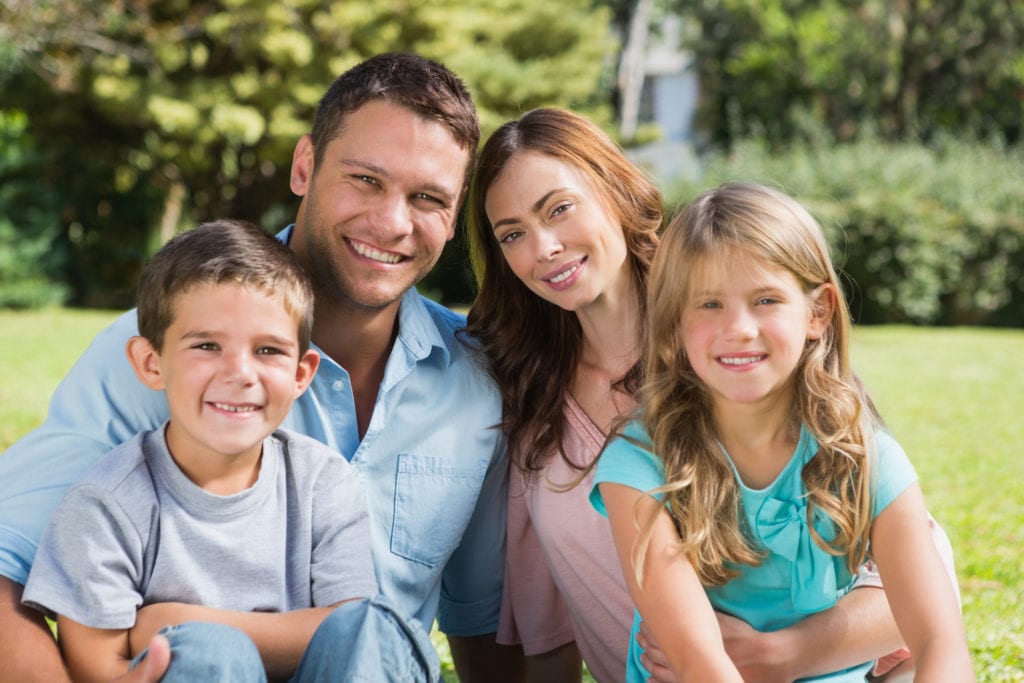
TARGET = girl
x,y
773,479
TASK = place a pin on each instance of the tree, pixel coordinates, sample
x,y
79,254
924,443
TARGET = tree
x,y
159,113
908,68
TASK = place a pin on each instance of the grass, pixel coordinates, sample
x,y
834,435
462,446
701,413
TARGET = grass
x,y
953,397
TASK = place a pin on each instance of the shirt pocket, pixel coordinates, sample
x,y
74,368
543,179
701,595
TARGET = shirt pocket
x,y
434,499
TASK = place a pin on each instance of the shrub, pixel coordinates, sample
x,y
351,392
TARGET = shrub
x,y
924,234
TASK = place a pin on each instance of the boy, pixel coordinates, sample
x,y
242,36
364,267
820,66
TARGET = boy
x,y
218,515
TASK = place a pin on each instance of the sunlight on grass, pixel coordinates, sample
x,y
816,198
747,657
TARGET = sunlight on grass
x,y
952,397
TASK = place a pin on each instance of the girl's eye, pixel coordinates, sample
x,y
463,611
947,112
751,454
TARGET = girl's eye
x,y
767,300
708,304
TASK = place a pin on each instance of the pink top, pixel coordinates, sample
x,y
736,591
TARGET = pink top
x,y
562,575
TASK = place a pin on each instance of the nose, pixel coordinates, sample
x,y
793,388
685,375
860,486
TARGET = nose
x,y
390,217
548,244
239,368
740,323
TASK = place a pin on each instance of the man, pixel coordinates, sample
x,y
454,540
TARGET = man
x,y
382,176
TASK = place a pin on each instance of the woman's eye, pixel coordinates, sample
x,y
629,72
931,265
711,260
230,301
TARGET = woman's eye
x,y
561,208
510,237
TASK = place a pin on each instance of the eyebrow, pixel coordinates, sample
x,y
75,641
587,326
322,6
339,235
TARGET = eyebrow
x,y
444,193
533,209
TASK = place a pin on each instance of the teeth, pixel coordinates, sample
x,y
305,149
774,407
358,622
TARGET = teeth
x,y
563,275
375,254
234,409
746,360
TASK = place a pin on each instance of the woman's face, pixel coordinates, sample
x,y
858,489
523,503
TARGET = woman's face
x,y
556,233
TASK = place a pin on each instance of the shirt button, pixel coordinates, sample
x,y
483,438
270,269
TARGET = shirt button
x,y
338,385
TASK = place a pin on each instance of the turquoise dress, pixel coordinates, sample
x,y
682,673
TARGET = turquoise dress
x,y
796,577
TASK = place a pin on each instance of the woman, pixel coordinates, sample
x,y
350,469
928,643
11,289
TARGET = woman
x,y
563,229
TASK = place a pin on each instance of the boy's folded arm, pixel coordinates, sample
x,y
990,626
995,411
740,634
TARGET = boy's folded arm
x,y
93,654
281,637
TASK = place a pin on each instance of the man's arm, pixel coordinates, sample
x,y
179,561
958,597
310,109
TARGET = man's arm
x,y
28,651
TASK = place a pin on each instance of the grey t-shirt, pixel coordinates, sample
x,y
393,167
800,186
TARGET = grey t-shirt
x,y
135,530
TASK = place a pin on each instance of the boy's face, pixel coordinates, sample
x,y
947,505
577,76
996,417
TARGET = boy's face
x,y
230,366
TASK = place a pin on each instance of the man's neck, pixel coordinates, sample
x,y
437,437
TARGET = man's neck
x,y
360,341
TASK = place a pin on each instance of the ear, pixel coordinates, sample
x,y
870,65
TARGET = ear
x,y
302,166
305,371
823,307
145,360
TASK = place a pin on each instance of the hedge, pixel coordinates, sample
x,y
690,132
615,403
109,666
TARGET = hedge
x,y
924,234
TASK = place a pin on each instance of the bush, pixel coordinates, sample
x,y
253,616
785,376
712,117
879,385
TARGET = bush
x,y
924,234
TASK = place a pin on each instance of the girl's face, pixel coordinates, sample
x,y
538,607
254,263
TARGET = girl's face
x,y
745,325
556,234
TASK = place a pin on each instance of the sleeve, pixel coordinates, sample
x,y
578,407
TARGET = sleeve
x,y
90,562
625,461
533,612
893,472
99,404
477,567
341,567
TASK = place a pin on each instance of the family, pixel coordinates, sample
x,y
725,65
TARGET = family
x,y
183,515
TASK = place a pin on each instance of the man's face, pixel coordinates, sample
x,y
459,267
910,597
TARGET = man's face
x,y
379,208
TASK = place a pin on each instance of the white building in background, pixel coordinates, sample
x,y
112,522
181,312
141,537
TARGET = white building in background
x,y
668,100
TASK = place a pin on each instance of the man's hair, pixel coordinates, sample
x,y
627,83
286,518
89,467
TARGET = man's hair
x,y
424,87
219,252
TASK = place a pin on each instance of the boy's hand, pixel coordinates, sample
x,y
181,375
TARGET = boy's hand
x,y
153,667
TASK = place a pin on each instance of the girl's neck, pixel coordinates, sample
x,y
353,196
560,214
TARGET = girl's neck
x,y
760,440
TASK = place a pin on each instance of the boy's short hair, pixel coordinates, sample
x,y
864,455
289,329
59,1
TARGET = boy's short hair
x,y
408,80
217,252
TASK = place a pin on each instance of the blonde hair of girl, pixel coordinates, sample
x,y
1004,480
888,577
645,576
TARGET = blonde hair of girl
x,y
702,495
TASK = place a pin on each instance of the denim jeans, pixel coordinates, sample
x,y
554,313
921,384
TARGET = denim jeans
x,y
364,641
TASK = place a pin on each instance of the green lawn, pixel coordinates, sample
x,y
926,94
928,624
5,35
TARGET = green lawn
x,y
953,397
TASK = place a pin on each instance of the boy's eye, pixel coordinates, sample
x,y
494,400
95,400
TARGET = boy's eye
x,y
268,351
205,346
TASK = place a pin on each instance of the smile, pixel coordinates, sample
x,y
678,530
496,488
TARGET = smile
x,y
231,408
741,360
374,254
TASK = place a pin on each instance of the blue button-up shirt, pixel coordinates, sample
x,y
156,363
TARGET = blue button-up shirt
x,y
432,466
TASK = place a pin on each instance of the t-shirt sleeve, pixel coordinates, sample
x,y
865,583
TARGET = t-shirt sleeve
x,y
893,471
341,567
90,562
625,461
99,404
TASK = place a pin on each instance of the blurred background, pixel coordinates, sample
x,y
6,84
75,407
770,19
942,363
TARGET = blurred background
x,y
899,122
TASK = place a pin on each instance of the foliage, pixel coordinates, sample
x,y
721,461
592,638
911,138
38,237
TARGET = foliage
x,y
157,114
925,234
909,67
29,220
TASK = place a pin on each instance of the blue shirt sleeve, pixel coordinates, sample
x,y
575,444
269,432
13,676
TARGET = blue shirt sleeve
x,y
893,471
473,578
98,405
625,461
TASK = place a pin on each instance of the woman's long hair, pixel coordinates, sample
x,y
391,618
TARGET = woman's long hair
x,y
532,345
701,491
